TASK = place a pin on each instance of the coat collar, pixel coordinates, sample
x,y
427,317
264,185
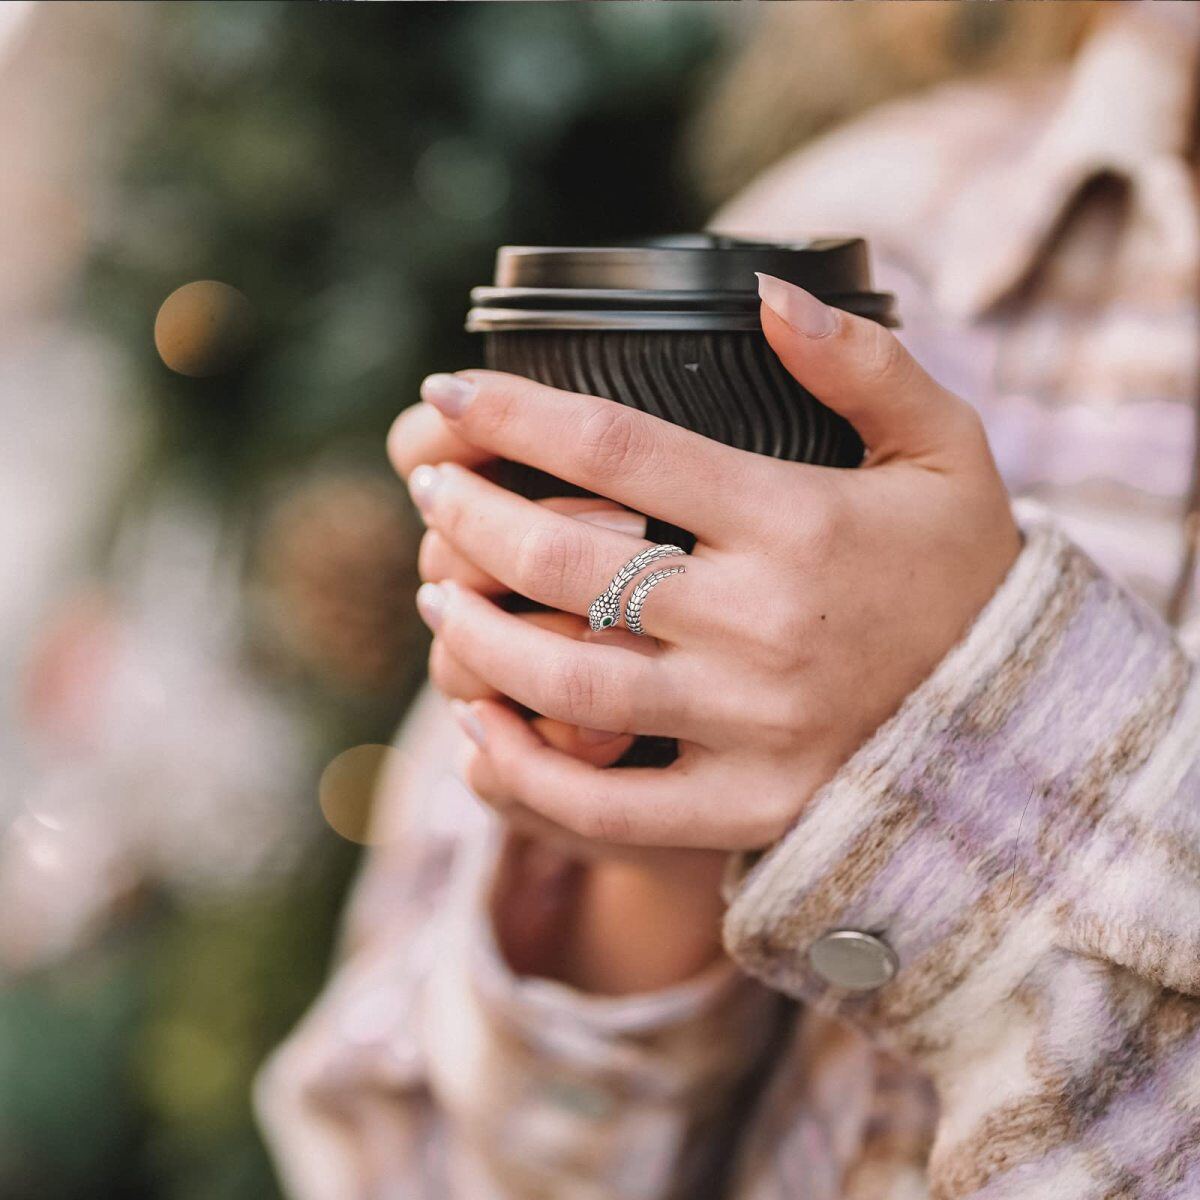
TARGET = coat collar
x,y
1127,103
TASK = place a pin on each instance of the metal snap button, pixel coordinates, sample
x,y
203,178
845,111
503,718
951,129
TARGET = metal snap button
x,y
853,961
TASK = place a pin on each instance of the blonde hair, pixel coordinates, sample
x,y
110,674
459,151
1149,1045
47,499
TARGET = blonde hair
x,y
804,68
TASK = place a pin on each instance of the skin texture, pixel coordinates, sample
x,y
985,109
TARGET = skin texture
x,y
815,600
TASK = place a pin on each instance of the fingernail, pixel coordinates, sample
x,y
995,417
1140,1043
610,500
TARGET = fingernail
x,y
594,737
468,722
796,307
422,484
449,394
621,520
431,604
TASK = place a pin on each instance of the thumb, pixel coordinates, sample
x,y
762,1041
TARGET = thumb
x,y
860,370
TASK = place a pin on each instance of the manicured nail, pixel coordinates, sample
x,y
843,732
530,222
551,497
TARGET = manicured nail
x,y
431,604
796,307
595,737
449,394
622,520
468,722
422,484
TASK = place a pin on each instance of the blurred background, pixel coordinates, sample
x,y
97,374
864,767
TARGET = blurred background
x,y
208,568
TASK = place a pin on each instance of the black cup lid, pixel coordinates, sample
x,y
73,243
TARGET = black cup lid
x,y
693,281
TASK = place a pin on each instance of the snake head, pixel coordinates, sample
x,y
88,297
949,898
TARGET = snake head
x,y
603,612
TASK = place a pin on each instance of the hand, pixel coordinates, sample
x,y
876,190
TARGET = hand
x,y
814,602
421,436
632,919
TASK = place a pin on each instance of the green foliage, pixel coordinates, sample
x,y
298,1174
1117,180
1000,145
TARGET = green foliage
x,y
351,168
67,1113
224,983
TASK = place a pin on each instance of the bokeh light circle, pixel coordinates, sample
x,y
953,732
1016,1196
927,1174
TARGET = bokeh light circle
x,y
204,328
348,790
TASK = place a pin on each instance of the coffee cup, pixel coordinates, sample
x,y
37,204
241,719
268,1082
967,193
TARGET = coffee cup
x,y
671,327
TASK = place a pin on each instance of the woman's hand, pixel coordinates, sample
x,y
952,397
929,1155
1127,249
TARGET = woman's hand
x,y
814,601
624,919
421,436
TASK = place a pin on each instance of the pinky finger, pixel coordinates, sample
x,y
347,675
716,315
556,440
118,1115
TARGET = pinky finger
x,y
483,778
630,806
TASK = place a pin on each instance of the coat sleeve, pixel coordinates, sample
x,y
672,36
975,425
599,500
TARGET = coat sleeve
x,y
552,1092
1025,836
427,1068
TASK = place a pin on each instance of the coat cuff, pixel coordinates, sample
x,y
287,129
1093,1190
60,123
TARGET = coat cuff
x,y
946,837
557,1092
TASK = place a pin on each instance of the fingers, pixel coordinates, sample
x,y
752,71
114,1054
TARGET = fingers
x,y
686,804
481,777
420,434
454,679
641,461
439,559
602,686
595,746
599,747
862,371
546,556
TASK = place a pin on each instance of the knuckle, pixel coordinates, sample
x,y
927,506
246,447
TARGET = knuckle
x,y
611,824
548,555
781,633
573,690
819,525
968,431
882,359
598,817
612,440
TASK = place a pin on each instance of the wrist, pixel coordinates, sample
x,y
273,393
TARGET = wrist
x,y
640,927
608,927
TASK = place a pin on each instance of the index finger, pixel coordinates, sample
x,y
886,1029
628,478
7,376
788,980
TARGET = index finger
x,y
640,460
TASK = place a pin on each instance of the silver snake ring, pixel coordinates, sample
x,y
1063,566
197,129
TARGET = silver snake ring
x,y
633,606
606,608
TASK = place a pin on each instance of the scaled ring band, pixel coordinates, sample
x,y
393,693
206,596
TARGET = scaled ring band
x,y
606,608
633,606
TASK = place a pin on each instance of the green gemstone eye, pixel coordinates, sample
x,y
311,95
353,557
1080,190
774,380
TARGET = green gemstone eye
x,y
605,621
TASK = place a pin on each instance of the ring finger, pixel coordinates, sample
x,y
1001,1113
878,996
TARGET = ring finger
x,y
623,688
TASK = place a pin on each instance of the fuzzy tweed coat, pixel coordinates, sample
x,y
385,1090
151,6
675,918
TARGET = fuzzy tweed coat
x,y
1024,833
